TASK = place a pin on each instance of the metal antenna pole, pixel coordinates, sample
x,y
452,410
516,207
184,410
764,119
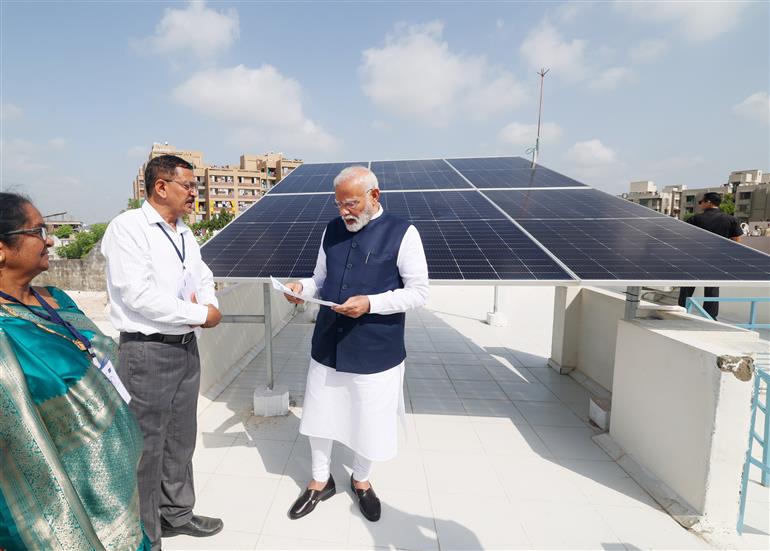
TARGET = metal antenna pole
x,y
535,150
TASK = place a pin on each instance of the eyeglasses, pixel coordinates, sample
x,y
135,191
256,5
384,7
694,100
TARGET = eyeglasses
x,y
187,186
352,204
40,231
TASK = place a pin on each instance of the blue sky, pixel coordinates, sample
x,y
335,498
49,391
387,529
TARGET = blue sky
x,y
672,92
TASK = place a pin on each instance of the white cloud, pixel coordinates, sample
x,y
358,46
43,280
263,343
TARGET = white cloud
x,y
195,29
698,21
416,75
590,153
57,143
756,107
10,112
263,107
137,152
22,157
517,133
544,46
610,79
649,50
499,23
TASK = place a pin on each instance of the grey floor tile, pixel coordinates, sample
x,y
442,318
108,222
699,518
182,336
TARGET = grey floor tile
x,y
482,390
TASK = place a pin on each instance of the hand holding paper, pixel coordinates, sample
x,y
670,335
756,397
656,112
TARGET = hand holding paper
x,y
278,286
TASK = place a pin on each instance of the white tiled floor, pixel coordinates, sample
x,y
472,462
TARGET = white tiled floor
x,y
496,454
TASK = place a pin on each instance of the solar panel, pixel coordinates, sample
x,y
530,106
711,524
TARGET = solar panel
x,y
510,172
259,249
290,208
427,174
443,205
311,178
647,249
484,250
558,204
559,236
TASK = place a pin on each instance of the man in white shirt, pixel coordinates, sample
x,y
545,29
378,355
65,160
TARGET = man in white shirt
x,y
373,265
161,293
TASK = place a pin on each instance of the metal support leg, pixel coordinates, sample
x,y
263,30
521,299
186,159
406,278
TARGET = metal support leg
x,y
270,401
632,302
268,335
496,318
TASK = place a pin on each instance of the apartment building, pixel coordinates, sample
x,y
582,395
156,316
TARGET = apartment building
x,y
749,189
645,193
233,188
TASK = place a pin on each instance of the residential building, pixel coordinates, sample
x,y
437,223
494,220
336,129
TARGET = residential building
x,y
646,193
742,184
234,188
55,221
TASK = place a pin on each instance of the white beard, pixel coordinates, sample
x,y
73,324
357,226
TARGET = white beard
x,y
360,221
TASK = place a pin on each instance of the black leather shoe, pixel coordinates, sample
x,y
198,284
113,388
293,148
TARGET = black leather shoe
x,y
197,527
310,498
368,502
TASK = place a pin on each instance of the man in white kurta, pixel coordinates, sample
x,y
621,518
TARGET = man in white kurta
x,y
358,401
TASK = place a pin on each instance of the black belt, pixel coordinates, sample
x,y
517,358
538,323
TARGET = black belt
x,y
158,337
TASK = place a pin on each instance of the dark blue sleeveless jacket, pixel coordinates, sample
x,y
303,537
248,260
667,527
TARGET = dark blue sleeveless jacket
x,y
360,263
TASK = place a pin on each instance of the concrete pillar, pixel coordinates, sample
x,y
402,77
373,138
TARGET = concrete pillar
x,y
566,317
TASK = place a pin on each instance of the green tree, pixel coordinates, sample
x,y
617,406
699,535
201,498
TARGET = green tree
x,y
688,216
134,203
220,220
83,242
728,204
63,231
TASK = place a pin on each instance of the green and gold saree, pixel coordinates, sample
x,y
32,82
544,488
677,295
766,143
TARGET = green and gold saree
x,y
69,446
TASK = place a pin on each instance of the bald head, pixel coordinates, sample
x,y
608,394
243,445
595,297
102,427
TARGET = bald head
x,y
357,175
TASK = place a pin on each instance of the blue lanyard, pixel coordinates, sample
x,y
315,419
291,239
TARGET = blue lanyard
x,y
52,316
182,254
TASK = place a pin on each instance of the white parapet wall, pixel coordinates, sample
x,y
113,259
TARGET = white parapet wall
x,y
227,348
680,416
585,330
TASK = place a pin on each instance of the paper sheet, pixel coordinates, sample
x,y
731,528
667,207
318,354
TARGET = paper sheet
x,y
278,286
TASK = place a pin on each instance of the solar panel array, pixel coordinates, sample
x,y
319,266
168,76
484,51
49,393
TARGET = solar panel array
x,y
486,219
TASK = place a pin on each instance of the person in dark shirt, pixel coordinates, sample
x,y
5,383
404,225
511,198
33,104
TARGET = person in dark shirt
x,y
720,223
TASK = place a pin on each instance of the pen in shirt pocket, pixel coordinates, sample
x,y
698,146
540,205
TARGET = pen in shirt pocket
x,y
367,257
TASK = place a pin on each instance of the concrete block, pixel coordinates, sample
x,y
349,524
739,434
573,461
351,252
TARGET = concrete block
x,y
497,319
599,412
271,403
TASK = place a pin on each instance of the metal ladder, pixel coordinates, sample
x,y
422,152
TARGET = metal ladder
x,y
761,383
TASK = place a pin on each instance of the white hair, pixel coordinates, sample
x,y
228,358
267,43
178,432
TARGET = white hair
x,y
359,174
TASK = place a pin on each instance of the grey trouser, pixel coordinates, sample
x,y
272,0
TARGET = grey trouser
x,y
163,381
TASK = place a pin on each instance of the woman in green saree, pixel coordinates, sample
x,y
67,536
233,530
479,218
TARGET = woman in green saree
x,y
69,446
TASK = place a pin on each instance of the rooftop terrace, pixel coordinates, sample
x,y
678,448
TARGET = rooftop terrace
x,y
496,451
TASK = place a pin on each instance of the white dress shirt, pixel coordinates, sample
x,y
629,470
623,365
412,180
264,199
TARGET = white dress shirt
x,y
145,275
411,266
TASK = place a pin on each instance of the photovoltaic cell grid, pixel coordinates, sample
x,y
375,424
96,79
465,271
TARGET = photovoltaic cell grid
x,y
597,236
647,249
259,249
510,172
290,208
447,205
308,178
560,204
484,249
427,174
